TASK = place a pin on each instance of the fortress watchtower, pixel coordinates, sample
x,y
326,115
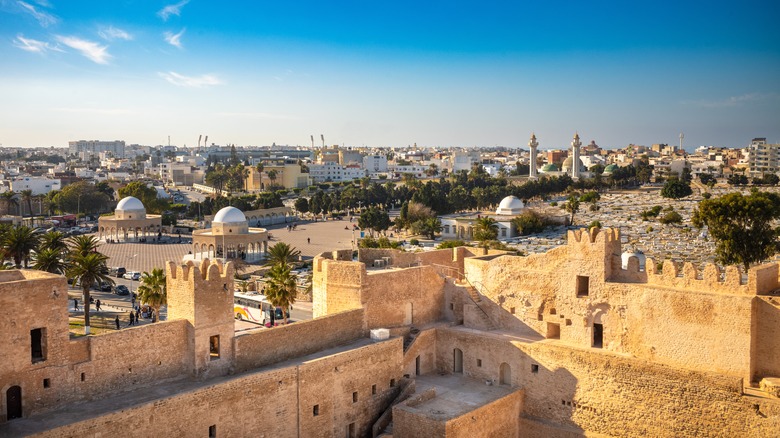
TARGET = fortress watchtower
x,y
203,295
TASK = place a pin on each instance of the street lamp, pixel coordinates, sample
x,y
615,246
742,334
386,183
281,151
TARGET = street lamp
x,y
131,277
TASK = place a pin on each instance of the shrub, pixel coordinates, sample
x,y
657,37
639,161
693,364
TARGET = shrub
x,y
414,242
671,218
451,244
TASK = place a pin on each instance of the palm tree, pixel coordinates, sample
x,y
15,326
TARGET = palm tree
x,y
54,240
87,269
430,226
281,288
49,260
272,176
152,290
486,229
9,199
18,242
281,254
83,245
27,196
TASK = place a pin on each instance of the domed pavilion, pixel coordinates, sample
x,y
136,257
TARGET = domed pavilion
x,y
230,237
510,206
129,222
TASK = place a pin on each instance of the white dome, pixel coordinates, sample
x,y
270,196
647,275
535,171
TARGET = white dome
x,y
229,215
511,205
130,203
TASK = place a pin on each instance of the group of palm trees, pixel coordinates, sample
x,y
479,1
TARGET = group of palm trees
x,y
281,287
75,257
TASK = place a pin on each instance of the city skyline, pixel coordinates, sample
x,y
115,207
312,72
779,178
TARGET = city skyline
x,y
454,74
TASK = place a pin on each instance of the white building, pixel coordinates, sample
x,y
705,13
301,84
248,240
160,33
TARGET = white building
x,y
763,157
331,171
462,160
38,186
463,226
95,147
375,163
415,169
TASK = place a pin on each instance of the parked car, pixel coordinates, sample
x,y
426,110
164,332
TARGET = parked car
x,y
121,289
120,272
133,275
105,286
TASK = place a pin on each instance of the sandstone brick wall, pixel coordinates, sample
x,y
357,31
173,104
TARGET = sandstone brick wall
x,y
401,297
609,394
349,387
262,347
424,347
500,418
766,341
336,285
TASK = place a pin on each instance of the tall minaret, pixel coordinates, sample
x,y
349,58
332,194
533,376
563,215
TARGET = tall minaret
x,y
575,160
533,144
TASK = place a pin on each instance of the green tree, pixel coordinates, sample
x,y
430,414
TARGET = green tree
x,y
428,227
282,254
81,197
741,226
451,244
572,206
528,222
27,196
302,205
676,188
374,219
87,270
54,240
281,288
18,242
147,195
486,229
49,260
671,217
9,201
152,291
83,245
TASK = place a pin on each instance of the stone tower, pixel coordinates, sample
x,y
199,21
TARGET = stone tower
x,y
203,295
575,161
533,144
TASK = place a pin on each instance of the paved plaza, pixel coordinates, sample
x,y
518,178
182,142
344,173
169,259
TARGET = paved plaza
x,y
311,238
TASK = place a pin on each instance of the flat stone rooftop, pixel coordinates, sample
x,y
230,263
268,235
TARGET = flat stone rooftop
x,y
454,396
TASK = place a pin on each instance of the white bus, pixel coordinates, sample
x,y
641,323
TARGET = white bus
x,y
254,307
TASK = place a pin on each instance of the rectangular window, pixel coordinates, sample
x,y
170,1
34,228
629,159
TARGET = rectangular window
x,y
583,285
598,335
83,377
392,383
213,431
479,362
503,232
38,345
316,410
214,347
534,368
373,389
46,383
553,330
351,430
512,310
354,397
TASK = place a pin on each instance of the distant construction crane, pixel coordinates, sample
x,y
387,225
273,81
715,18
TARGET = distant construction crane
x,y
322,136
199,138
682,136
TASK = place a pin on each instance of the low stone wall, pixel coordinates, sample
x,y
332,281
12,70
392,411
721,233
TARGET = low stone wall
x,y
267,346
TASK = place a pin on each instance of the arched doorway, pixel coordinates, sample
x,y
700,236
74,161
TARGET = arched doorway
x,y
457,361
505,374
13,400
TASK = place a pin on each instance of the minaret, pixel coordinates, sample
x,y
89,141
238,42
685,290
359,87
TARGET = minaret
x,y
533,144
575,160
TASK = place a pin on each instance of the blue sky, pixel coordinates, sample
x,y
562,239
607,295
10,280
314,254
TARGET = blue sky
x,y
389,74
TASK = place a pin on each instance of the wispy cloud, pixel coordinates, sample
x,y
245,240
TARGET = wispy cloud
x,y
190,81
174,9
83,110
43,3
44,18
35,46
114,33
253,115
90,49
174,39
731,101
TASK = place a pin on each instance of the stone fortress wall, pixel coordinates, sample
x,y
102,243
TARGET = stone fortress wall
x,y
577,344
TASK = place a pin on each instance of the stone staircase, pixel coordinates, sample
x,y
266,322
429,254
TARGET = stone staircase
x,y
410,338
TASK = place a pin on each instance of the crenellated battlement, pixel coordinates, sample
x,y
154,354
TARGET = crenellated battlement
x,y
594,235
761,279
206,270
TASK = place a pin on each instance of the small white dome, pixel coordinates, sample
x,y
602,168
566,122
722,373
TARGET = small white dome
x,y
130,203
511,205
230,215
626,256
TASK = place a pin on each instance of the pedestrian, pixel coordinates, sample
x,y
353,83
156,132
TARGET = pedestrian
x,y
308,240
132,319
97,305
76,304
116,320
273,317
137,313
